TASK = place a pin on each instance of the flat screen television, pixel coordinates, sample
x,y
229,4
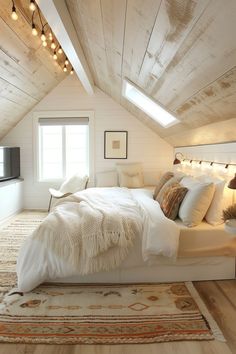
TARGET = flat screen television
x,y
9,162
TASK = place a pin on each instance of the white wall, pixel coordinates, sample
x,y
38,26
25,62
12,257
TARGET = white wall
x,y
143,145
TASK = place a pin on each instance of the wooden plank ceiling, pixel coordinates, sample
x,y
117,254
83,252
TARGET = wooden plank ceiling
x,y
180,52
27,70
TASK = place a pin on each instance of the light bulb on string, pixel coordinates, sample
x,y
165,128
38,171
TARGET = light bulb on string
x,y
60,51
43,37
32,5
65,69
34,30
53,45
50,36
45,44
54,55
66,61
14,15
72,71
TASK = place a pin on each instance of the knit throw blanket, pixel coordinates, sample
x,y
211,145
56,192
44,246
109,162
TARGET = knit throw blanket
x,y
93,229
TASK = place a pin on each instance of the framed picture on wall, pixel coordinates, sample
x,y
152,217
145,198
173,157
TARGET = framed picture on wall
x,y
115,144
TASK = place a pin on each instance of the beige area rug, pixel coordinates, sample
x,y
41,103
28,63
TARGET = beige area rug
x,y
95,314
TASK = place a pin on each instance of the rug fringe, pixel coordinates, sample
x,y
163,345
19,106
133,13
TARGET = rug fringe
x,y
218,335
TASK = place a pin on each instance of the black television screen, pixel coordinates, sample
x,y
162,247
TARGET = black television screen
x,y
9,162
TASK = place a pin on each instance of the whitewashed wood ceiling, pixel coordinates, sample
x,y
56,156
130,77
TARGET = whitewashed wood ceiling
x,y
180,52
27,71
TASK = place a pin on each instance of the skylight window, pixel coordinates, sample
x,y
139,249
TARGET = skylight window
x,y
146,104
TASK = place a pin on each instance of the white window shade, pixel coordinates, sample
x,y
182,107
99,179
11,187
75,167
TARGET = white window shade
x,y
148,105
63,121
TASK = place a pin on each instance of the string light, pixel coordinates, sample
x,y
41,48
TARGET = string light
x,y
34,30
35,10
225,166
43,37
32,5
14,15
53,44
55,55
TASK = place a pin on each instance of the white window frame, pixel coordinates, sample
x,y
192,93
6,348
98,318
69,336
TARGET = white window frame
x,y
62,114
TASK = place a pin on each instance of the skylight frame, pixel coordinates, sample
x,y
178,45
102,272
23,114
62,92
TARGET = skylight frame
x,y
144,96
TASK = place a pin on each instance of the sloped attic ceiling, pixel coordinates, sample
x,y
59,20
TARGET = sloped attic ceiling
x,y
180,52
27,71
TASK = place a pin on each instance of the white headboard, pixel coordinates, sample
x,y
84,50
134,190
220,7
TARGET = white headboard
x,y
223,153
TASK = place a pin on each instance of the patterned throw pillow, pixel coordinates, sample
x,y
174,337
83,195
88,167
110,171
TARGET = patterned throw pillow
x,y
162,181
172,200
170,182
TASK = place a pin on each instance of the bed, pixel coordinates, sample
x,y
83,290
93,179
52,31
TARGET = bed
x,y
163,261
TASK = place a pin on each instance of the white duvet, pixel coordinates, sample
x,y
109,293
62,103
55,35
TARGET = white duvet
x,y
40,260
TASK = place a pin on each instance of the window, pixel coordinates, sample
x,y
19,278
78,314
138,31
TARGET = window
x,y
63,147
146,104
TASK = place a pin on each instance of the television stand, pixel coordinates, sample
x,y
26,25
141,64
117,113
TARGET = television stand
x,y
11,198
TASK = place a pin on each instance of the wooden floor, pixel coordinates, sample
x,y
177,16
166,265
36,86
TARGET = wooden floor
x,y
220,298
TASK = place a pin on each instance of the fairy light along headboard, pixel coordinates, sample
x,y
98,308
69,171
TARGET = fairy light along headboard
x,y
218,160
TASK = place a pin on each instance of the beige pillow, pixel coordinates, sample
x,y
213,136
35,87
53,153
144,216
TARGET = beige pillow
x,y
130,175
161,182
166,186
172,200
214,213
196,202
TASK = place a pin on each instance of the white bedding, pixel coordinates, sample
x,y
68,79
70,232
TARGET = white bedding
x,y
37,262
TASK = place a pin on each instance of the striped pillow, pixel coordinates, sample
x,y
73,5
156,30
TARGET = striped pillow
x,y
172,200
162,181
172,181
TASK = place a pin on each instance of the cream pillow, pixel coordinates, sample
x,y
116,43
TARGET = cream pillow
x,y
130,175
196,202
214,213
107,179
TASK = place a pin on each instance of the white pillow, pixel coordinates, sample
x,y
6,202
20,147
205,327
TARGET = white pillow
x,y
196,202
214,213
130,175
180,175
107,179
189,182
74,184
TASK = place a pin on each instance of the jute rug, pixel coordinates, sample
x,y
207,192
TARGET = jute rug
x,y
12,235
95,314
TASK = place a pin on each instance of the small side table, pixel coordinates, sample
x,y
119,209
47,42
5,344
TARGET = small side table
x,y
230,227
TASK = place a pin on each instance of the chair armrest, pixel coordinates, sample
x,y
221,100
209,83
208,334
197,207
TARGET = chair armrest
x,y
57,194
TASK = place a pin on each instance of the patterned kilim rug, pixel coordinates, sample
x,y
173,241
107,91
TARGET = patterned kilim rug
x,y
95,314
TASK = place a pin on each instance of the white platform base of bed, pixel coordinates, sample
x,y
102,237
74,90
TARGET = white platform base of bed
x,y
212,268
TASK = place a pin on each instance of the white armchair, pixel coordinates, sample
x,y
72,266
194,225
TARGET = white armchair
x,y
71,185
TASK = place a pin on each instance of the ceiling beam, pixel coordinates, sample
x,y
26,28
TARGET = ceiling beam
x,y
58,18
